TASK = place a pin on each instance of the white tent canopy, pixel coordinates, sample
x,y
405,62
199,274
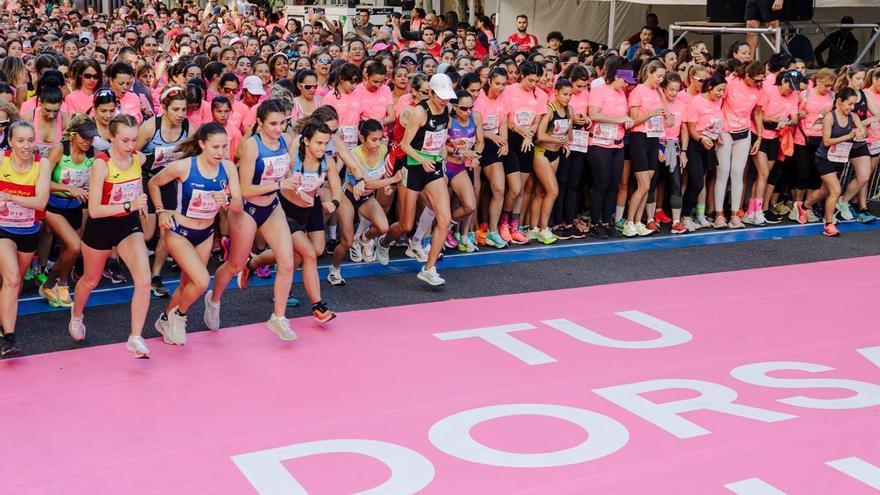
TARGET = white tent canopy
x,y
592,19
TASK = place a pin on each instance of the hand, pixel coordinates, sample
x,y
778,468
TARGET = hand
x,y
707,143
220,198
503,150
661,156
684,160
860,134
329,207
140,203
527,145
388,190
166,220
306,198
359,189
624,47
755,147
628,123
77,193
777,5
290,183
428,165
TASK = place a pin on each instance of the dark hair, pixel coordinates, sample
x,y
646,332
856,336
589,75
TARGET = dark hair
x,y
468,79
121,119
752,69
195,93
555,35
80,68
300,77
227,77
530,68
213,69
576,72
49,87
347,72
614,64
845,94
496,71
190,146
735,48
671,77
311,127
324,113
717,79
218,101
462,94
779,61
562,83
375,68
369,126
119,68
45,61
270,106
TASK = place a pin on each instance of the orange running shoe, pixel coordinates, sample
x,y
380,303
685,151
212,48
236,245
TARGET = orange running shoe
x,y
504,230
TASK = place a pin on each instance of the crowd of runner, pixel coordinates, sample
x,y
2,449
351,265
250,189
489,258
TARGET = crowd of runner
x,y
154,134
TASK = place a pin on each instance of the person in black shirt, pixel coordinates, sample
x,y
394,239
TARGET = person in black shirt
x,y
844,47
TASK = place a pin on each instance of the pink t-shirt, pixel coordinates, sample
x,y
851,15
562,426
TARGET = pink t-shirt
x,y
707,115
523,107
131,105
374,103
739,101
611,103
873,129
580,102
350,110
678,108
814,106
236,115
30,104
774,105
234,139
492,111
79,101
646,100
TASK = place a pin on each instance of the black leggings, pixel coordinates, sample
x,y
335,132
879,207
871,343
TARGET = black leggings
x,y
806,159
674,185
568,175
606,167
698,163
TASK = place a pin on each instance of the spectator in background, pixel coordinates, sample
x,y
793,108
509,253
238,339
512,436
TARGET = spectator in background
x,y
554,41
843,46
761,11
521,37
661,36
646,38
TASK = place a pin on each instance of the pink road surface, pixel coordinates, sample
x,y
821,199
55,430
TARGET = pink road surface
x,y
94,421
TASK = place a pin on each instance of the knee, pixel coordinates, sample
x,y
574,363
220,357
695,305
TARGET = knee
x,y
284,267
308,257
468,205
201,282
514,190
382,228
345,240
141,280
497,189
11,281
443,220
552,190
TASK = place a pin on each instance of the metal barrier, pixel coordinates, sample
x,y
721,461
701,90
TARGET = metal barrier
x,y
717,29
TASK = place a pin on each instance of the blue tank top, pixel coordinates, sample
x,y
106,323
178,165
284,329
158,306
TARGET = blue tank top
x,y
271,165
194,196
161,152
467,132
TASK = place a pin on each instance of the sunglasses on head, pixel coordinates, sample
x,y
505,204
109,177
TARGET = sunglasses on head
x,y
4,123
105,94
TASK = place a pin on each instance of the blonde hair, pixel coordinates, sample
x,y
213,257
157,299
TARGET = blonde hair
x,y
11,110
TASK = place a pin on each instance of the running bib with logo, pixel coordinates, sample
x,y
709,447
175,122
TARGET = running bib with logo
x,y
560,127
274,168
524,118
654,126
874,148
434,142
163,155
605,133
579,139
202,205
349,135
75,177
125,192
310,181
16,216
491,124
713,130
839,153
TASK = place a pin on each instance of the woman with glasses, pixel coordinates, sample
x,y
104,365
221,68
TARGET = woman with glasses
x,y
305,97
208,183
114,211
735,145
462,163
24,191
87,78
321,61
157,138
72,162
121,77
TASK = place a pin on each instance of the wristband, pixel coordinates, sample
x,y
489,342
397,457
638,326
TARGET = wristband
x,y
361,180
160,209
335,202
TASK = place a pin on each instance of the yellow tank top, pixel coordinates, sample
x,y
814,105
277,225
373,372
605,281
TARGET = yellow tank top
x,y
23,184
121,186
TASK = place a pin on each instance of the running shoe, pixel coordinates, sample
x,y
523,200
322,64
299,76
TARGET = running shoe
x,y
576,233
517,237
9,348
321,313
355,254
49,294
416,251
749,218
830,230
800,212
546,237
642,230
430,277
703,222
381,253
780,209
481,237
612,230
598,232
812,215
402,242
661,216
533,233
76,328
281,326
177,327
690,225
772,217
212,312
138,347
561,232
793,214
620,224
678,228
263,272
117,275
368,249
494,239
844,211
581,226
629,230
865,216
736,222
63,294
331,245
158,288
292,302
451,242
335,277
29,273
720,223
163,326
653,226
224,247
470,246
504,231
472,240
244,276
760,219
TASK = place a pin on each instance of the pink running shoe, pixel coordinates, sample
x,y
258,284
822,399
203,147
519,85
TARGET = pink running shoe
x,y
504,231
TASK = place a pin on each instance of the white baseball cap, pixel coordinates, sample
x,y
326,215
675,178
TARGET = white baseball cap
x,y
442,86
253,85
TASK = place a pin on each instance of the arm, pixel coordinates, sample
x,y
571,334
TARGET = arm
x,y
758,116
638,118
417,118
480,142
96,209
236,205
390,117
597,116
178,170
335,187
145,133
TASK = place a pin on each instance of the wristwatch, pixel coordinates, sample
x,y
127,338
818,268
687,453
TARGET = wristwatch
x,y
127,206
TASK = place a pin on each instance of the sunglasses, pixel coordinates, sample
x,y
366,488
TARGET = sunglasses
x,y
758,79
4,123
309,87
230,90
464,108
699,79
90,76
325,60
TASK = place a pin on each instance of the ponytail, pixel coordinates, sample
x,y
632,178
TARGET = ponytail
x,y
191,147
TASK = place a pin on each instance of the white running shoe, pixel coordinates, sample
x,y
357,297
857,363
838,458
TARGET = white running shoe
x,y
368,248
165,330
704,222
335,277
415,251
642,230
354,252
629,230
759,218
843,210
430,277
690,225
381,253
138,347
76,328
281,326
177,327
811,217
749,218
212,312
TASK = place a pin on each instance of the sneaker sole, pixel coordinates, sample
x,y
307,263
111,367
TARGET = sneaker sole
x,y
15,351
320,321
285,339
427,281
165,338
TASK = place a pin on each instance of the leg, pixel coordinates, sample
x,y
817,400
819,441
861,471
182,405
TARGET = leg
x,y
345,223
71,247
93,267
438,195
243,228
277,235
133,252
546,177
305,252
192,261
495,174
12,267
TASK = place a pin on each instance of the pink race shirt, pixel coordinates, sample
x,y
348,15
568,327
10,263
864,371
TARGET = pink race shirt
x,y
236,116
374,103
678,108
814,105
580,102
350,110
492,111
611,103
873,129
402,104
740,100
707,115
774,105
646,99
79,101
523,107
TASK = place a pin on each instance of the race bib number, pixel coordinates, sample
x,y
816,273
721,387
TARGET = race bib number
x,y
274,168
713,130
349,135
560,127
579,140
202,205
125,192
75,178
524,118
434,142
654,126
874,148
839,153
16,216
605,134
491,124
163,155
310,181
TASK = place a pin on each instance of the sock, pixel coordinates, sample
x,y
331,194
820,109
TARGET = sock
x,y
759,204
514,221
331,231
363,227
701,210
163,316
484,227
425,221
505,218
650,209
157,278
178,312
618,212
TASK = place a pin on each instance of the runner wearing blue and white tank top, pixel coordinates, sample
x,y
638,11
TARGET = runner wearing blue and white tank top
x,y
206,182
